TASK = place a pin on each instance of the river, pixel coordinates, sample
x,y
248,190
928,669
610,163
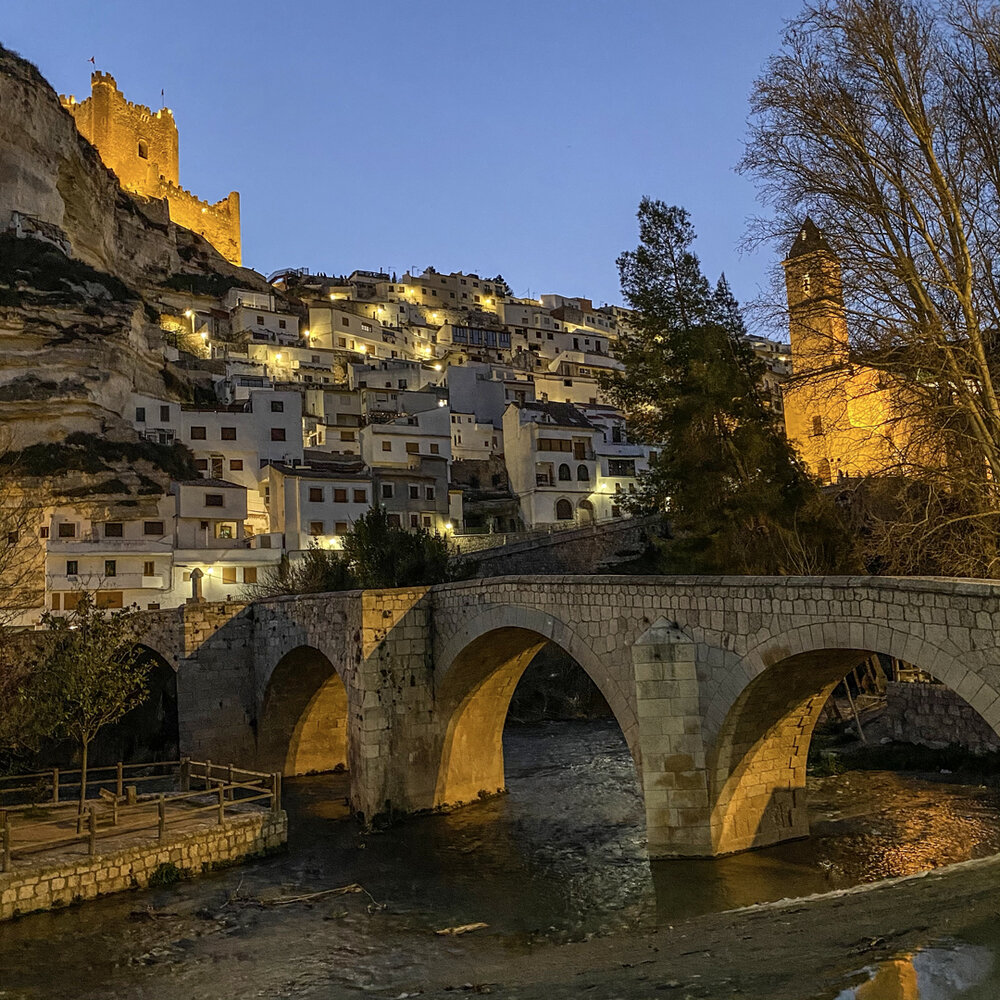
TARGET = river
x,y
558,859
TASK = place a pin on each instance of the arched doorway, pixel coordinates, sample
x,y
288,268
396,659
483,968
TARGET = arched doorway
x,y
585,512
302,727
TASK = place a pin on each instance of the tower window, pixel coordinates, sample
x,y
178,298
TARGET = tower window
x,y
806,283
817,426
143,149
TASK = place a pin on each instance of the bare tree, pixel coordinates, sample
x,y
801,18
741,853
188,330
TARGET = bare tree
x,y
880,119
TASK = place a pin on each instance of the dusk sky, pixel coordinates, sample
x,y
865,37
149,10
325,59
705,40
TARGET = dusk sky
x,y
513,137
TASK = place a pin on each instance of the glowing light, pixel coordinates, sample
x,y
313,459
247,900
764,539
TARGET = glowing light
x,y
277,357
449,526
442,402
362,348
305,333
437,368
204,335
188,313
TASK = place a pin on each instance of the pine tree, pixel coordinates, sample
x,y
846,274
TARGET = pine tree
x,y
738,499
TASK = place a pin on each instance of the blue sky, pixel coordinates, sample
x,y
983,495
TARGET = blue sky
x,y
516,136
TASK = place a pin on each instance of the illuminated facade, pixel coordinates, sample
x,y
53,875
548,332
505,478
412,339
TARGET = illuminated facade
x,y
141,147
840,416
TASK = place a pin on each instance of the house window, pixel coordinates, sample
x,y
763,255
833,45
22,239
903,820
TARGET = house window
x,y
67,530
435,449
197,433
109,599
260,320
113,529
214,500
43,532
149,568
394,521
429,492
277,433
281,324
201,464
277,406
229,574
340,528
412,448
228,433
582,474
414,492
387,446
361,496
427,520
152,527
387,491
817,426
72,567
340,496
164,412
315,527
564,473
236,464
249,574
616,511
140,414
110,567
414,520
315,494
564,510
347,436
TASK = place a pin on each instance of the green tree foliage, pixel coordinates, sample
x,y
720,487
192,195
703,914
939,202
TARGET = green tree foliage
x,y
91,673
376,555
739,501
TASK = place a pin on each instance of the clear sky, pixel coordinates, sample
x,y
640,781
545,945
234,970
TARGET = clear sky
x,y
515,136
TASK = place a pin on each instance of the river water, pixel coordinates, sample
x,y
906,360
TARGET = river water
x,y
559,858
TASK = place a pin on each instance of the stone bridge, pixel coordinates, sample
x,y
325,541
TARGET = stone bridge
x,y
716,683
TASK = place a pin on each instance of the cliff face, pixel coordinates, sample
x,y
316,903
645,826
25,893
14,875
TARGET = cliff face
x,y
79,317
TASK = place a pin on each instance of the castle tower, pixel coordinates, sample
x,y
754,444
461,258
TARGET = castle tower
x,y
817,321
141,147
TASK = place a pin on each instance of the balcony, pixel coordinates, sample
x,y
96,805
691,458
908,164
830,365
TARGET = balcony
x,y
92,544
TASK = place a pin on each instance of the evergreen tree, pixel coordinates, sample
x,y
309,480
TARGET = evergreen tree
x,y
738,499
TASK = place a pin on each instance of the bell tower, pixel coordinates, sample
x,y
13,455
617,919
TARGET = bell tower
x,y
816,316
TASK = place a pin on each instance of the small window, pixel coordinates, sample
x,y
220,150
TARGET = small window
x,y
387,491
277,433
435,449
152,527
340,528
387,446
164,412
72,567
149,568
143,149
414,492
43,532
214,500
229,574
153,607
564,510
427,521
228,433
315,527
347,436
582,474
113,529
315,494
817,426
394,521
67,530
340,496
105,599
564,474
110,567
260,320
361,496
201,464
249,574
236,464
414,520
140,414
197,433
281,324
277,406
412,448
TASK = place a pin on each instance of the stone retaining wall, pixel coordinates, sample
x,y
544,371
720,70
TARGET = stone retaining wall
x,y
53,883
933,714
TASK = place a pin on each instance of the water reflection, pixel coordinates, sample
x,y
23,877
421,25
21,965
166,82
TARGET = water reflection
x,y
928,974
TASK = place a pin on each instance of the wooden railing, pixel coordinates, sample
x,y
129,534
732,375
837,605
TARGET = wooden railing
x,y
201,787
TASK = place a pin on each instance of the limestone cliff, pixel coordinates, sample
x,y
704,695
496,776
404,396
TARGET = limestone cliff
x,y
82,264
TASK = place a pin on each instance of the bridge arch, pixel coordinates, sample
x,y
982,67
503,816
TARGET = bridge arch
x,y
302,725
480,667
769,708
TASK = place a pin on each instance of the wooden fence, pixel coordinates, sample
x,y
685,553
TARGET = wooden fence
x,y
200,787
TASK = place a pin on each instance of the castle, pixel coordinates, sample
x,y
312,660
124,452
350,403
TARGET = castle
x,y
140,146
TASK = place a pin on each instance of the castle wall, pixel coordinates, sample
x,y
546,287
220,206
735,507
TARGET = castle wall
x,y
141,147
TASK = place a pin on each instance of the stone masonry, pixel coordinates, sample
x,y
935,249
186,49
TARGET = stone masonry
x,y
28,888
715,682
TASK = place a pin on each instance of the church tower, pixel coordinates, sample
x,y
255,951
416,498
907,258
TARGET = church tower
x,y
817,321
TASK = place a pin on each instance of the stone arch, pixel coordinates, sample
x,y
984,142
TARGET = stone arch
x,y
480,667
585,511
757,758
302,726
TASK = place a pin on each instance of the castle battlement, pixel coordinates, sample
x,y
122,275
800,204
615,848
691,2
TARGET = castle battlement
x,y
141,147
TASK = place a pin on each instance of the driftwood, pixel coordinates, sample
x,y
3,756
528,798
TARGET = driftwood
x,y
462,929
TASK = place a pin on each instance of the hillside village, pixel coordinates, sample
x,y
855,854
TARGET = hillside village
x,y
302,401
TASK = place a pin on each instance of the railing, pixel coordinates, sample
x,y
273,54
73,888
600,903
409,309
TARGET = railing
x,y
119,812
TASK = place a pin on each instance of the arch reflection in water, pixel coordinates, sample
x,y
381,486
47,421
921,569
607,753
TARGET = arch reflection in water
x,y
928,974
